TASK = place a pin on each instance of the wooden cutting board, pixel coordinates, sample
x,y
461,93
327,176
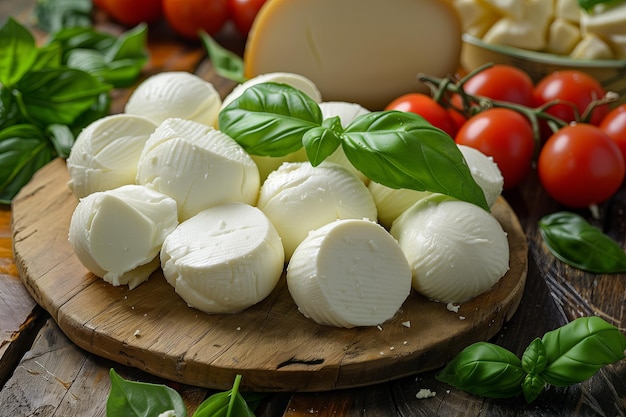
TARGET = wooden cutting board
x,y
271,344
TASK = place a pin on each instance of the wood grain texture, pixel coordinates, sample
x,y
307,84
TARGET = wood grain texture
x,y
272,345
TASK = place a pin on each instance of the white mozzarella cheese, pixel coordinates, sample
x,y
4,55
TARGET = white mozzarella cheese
x,y
117,234
106,152
349,273
392,202
476,17
591,46
563,37
198,166
485,172
175,94
456,250
568,10
299,198
224,259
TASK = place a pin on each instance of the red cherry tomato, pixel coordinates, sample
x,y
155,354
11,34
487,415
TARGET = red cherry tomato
x,y
574,87
426,107
458,119
132,13
506,136
614,125
503,83
243,12
188,17
580,165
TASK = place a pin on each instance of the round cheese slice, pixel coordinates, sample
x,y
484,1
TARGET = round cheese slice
x,y
223,259
363,51
349,273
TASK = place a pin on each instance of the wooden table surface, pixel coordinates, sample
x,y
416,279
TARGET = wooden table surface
x,y
42,373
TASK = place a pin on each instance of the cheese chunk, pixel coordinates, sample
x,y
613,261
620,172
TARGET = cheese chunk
x,y
117,234
563,37
175,94
392,202
360,51
568,10
299,198
476,17
198,166
106,152
456,250
485,172
592,46
349,273
224,259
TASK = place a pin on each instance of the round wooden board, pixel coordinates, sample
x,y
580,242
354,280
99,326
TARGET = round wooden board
x,y
271,344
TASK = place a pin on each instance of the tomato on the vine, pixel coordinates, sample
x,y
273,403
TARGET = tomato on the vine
x,y
614,125
132,13
428,108
243,13
580,165
188,17
506,136
503,83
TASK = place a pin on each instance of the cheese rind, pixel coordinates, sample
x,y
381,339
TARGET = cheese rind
x,y
106,152
224,259
359,51
117,234
198,166
349,273
456,250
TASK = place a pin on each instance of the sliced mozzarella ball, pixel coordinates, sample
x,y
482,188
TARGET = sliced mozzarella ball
x,y
299,198
117,234
198,166
175,94
456,250
224,259
391,202
346,112
294,80
485,172
106,152
349,273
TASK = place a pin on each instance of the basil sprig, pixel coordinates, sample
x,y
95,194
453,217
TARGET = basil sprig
x,y
393,148
134,399
574,241
564,356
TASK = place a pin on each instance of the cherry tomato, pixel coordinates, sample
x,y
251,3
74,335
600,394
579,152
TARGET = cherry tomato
x,y
576,88
503,83
188,17
458,119
426,107
243,13
580,165
132,13
614,125
506,136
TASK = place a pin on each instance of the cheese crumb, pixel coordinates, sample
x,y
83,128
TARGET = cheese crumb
x,y
136,334
452,307
461,317
425,393
379,328
406,324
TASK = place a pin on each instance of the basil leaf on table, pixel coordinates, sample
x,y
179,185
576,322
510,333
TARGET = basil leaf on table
x,y
574,241
225,404
226,63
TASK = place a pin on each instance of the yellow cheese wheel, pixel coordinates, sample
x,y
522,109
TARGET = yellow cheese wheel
x,y
362,51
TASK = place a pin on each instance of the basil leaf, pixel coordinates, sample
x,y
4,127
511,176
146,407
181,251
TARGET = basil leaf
x,y
588,5
225,404
48,56
532,386
23,151
533,362
134,399
402,150
576,351
81,38
574,241
270,119
225,63
18,52
485,369
321,142
62,139
9,110
58,95
51,15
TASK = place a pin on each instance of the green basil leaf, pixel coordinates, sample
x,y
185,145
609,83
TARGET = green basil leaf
x,y
225,404
532,386
270,119
58,95
81,38
485,369
62,139
321,142
135,399
9,110
18,52
226,63
534,359
23,151
402,150
576,351
574,241
588,5
52,15
48,56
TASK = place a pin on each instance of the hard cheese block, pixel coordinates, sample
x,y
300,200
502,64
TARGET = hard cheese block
x,y
362,51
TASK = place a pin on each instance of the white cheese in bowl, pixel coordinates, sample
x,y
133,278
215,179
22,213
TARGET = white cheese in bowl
x,y
224,259
456,249
117,234
349,273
